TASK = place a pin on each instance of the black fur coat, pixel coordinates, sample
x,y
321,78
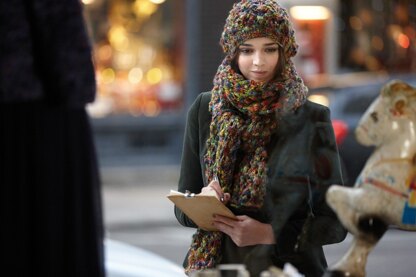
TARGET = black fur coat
x,y
45,53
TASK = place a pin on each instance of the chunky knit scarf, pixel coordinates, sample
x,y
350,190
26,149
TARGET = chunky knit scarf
x,y
244,115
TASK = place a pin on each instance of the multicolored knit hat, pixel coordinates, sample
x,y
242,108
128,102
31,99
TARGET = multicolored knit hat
x,y
258,18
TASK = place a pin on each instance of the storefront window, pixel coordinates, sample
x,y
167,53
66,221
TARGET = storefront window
x,y
138,48
378,35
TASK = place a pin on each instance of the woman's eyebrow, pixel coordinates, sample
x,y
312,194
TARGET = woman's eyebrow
x,y
266,44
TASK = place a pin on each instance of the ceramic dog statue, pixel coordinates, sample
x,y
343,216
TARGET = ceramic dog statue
x,y
385,192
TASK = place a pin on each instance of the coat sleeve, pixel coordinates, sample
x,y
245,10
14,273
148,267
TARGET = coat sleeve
x,y
303,164
190,177
325,227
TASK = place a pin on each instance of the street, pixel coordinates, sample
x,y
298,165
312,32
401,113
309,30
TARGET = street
x,y
136,211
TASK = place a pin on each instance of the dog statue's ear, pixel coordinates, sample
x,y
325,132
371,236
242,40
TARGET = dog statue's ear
x,y
399,105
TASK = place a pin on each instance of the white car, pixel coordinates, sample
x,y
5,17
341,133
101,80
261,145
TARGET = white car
x,y
124,260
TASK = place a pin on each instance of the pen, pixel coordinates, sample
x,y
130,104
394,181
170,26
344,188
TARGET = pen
x,y
222,194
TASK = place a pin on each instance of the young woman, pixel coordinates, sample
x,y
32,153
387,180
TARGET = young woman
x,y
267,152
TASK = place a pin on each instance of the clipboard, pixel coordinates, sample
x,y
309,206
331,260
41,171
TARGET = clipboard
x,y
200,208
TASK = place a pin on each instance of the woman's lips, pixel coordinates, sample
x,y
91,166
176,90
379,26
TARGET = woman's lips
x,y
259,73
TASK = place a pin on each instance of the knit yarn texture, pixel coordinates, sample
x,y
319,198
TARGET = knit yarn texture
x,y
245,113
258,18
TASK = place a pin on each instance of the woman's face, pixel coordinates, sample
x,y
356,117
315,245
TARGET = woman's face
x,y
258,59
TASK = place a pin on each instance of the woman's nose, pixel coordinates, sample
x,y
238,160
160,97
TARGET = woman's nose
x,y
258,59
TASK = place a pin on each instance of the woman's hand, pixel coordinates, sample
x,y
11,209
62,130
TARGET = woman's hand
x,y
214,188
245,230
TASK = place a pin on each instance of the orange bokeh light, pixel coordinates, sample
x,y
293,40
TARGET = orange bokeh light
x,y
403,41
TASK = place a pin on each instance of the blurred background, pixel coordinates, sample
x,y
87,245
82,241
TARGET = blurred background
x,y
153,57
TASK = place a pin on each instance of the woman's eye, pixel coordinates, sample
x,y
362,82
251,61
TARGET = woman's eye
x,y
246,51
271,50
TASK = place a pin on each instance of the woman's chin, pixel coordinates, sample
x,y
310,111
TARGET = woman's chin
x,y
257,80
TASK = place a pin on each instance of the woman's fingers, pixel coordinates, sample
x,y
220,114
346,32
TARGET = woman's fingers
x,y
245,230
216,186
226,198
230,227
213,187
224,224
225,220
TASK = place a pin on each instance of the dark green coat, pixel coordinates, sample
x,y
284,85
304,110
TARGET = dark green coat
x,y
303,163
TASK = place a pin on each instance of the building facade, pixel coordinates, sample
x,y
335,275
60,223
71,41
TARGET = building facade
x,y
154,56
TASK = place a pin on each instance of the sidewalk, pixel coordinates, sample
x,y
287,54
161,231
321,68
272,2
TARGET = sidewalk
x,y
136,195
